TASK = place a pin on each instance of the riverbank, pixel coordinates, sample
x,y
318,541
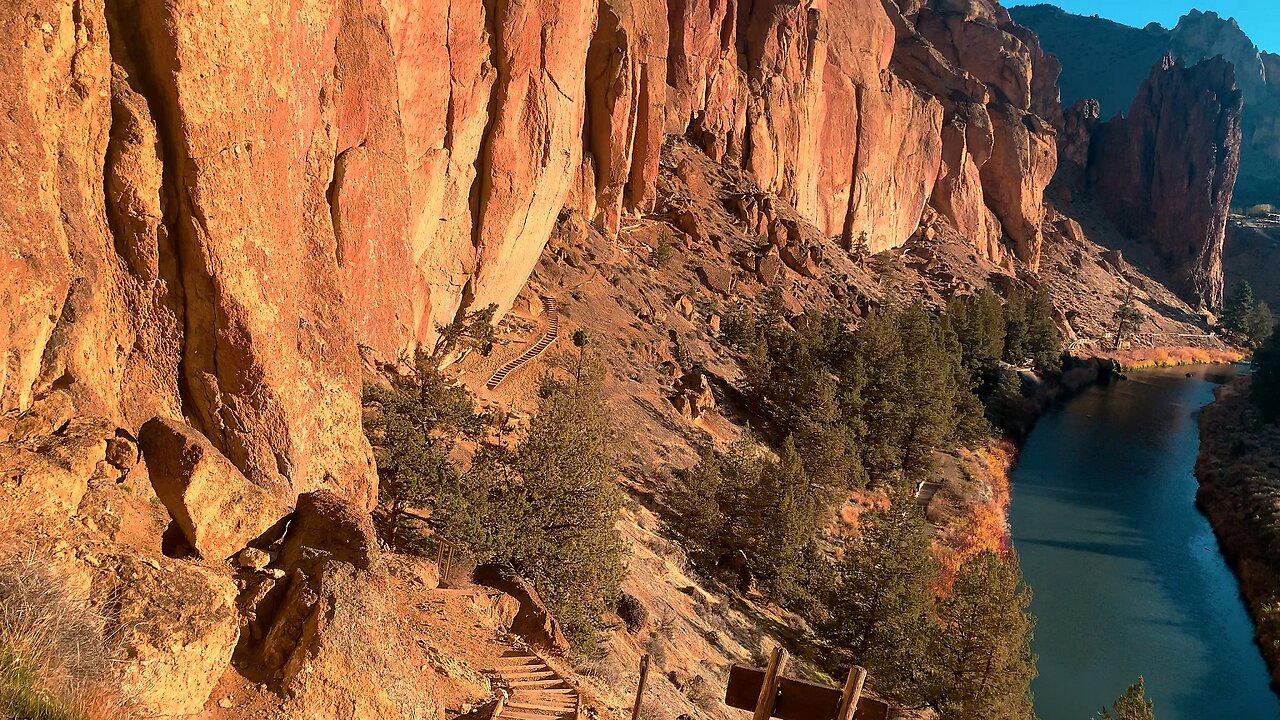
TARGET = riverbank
x,y
1239,472
1163,357
1127,576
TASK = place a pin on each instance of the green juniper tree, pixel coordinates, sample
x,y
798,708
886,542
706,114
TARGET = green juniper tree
x,y
1128,319
1260,325
1238,308
1044,341
414,422
880,601
556,500
1265,384
980,664
1132,705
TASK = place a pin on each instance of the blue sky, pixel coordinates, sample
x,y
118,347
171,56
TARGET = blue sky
x,y
1260,19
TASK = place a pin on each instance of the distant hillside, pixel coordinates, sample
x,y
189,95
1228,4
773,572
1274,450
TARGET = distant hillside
x,y
1101,59
1107,61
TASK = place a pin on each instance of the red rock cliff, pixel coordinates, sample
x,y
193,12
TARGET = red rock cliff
x,y
1165,173
207,207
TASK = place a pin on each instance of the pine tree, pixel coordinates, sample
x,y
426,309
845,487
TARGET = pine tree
x,y
1132,705
1235,315
1044,342
1016,330
980,664
880,602
1261,324
1265,384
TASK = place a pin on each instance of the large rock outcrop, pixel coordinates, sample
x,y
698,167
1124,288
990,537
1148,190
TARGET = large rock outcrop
x,y
1165,173
211,206
1108,61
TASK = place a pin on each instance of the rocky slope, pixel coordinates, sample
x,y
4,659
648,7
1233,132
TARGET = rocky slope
x,y
218,217
1108,61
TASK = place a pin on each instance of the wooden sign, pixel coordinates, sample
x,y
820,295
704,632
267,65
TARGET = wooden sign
x,y
797,699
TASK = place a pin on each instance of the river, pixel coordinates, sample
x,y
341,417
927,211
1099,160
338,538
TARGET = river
x,y
1126,573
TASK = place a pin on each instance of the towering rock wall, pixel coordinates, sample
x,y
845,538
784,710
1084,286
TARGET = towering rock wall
x,y
1165,173
208,207
1107,61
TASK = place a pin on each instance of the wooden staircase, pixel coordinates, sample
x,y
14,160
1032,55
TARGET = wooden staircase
x,y
537,691
547,340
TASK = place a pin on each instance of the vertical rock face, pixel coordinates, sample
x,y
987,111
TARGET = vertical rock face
x,y
209,207
1166,172
1108,61
998,88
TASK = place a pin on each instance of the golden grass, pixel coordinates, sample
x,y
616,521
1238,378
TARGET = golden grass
x,y
1158,357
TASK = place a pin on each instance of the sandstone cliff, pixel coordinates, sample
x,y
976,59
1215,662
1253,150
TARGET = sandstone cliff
x,y
1165,173
208,207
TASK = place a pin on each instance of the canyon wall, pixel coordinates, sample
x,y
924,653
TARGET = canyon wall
x,y
1166,171
208,208
1107,61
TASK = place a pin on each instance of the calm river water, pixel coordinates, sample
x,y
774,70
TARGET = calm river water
x,y
1126,572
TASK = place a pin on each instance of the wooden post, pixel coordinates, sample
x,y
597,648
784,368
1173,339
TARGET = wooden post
x,y
769,690
644,674
852,692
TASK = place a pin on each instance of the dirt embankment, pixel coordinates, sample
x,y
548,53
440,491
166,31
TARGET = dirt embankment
x,y
1239,473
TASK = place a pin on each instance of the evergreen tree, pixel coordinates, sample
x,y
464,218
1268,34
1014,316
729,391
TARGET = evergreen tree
x,y
469,331
556,502
1261,324
1236,312
883,398
1128,319
980,664
1265,384
1016,329
1044,342
880,602
413,424
979,323
1132,705
787,527
697,501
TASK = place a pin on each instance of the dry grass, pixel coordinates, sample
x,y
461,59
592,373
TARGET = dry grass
x,y
54,648
1138,358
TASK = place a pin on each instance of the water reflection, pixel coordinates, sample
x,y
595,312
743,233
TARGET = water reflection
x,y
1127,577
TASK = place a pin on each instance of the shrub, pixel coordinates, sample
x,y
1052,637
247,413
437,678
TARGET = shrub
x,y
633,614
54,648
660,256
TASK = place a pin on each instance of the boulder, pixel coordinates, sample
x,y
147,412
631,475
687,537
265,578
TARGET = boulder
x,y
43,481
769,267
327,527
716,279
533,622
219,511
177,626
800,259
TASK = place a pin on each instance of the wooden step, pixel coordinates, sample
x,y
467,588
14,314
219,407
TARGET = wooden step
x,y
532,674
549,683
529,705
527,715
